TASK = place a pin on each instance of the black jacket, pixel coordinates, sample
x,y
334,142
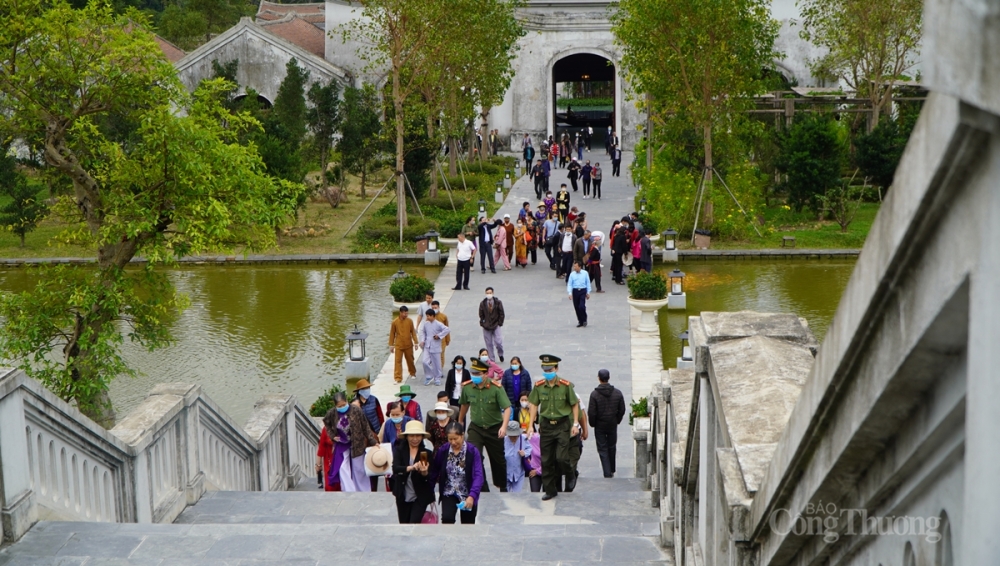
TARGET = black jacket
x,y
606,407
483,228
400,460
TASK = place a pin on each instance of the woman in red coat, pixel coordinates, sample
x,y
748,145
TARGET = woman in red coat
x,y
324,456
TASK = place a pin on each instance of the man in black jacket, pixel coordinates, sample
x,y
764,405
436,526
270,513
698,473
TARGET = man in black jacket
x,y
604,413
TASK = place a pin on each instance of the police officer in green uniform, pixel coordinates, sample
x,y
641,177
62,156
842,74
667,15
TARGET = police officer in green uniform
x,y
488,408
555,404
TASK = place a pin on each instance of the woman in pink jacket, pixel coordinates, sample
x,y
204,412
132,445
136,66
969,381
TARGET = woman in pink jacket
x,y
500,248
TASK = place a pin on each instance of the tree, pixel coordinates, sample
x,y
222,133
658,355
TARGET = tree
x,y
324,118
22,214
402,38
361,132
177,184
189,23
871,44
285,127
698,60
812,155
877,153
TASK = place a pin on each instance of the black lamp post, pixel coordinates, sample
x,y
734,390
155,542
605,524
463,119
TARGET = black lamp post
x,y
676,282
356,344
670,239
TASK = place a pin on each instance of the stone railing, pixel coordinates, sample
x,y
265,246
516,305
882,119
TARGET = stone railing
x,y
712,430
57,464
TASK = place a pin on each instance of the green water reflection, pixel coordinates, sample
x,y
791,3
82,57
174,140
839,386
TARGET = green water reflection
x,y
257,330
809,289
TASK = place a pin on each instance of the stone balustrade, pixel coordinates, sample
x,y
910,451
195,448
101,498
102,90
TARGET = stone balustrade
x,y
55,463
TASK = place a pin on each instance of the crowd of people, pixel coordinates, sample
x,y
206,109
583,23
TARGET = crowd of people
x,y
532,432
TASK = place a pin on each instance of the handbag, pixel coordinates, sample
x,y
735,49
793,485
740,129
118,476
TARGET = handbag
x,y
527,236
430,515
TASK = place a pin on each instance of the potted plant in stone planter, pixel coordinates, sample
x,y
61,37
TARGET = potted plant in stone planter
x,y
409,290
647,292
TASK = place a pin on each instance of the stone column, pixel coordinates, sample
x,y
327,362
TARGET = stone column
x,y
18,510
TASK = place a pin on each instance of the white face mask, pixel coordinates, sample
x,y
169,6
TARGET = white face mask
x,y
442,416
524,404
489,295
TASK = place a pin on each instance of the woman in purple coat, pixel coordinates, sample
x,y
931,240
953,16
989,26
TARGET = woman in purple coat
x,y
458,472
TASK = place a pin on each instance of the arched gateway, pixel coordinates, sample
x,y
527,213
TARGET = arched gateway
x,y
565,40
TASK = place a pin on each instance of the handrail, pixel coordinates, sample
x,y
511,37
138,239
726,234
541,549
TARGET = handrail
x,y
55,463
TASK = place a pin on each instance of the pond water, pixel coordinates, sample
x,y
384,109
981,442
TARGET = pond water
x,y
810,289
260,329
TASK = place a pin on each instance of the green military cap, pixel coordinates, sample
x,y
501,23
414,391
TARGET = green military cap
x,y
549,360
477,365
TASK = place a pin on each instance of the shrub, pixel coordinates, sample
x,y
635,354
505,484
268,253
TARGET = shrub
x,y
325,402
647,286
812,154
379,227
410,289
443,202
639,408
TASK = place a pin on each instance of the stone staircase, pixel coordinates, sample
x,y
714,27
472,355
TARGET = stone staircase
x,y
601,522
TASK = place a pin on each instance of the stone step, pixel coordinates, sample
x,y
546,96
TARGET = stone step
x,y
96,544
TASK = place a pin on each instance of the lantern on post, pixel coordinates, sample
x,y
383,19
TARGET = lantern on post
x,y
506,179
669,237
642,205
357,365
499,193
482,207
677,298
686,359
356,344
432,256
399,274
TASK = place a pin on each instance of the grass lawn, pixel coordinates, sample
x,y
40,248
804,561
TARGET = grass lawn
x,y
43,241
809,232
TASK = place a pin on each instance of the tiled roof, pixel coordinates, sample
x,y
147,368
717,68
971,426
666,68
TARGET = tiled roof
x,y
298,31
312,13
171,51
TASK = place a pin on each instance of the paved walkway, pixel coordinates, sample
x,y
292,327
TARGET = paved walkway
x,y
539,315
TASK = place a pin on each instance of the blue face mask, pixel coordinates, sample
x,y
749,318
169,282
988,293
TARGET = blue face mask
x,y
549,375
396,420
515,367
343,409
477,379
484,359
365,393
406,398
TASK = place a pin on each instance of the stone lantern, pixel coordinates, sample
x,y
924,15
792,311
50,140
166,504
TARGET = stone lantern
x,y
676,298
432,256
670,245
499,194
686,359
506,178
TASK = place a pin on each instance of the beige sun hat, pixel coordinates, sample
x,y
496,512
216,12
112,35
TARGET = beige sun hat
x,y
442,406
378,460
415,427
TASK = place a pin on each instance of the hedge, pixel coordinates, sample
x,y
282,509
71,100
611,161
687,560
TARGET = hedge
x,y
385,226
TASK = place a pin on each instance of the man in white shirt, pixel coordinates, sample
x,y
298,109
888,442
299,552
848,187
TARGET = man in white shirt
x,y
464,252
566,242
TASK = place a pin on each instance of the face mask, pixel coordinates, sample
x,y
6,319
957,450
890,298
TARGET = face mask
x,y
549,375
442,417
524,404
489,296
406,398
515,367
343,409
365,393
459,367
477,379
396,420
484,359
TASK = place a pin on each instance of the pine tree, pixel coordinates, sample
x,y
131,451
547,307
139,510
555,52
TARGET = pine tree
x,y
324,118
